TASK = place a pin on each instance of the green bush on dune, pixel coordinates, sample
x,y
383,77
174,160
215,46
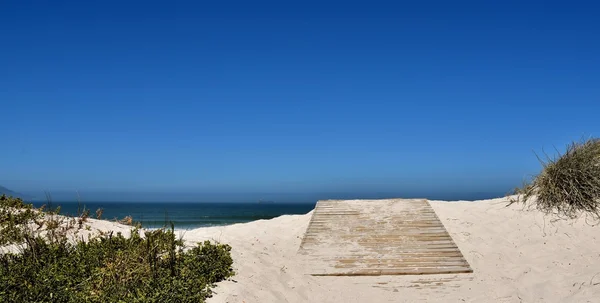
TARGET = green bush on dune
x,y
109,268
569,184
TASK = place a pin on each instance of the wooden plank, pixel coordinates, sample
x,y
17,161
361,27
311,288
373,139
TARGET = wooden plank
x,y
379,237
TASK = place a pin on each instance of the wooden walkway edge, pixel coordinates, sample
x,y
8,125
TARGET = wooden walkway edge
x,y
379,237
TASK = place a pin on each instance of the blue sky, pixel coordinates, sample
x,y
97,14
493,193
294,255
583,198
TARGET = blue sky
x,y
313,97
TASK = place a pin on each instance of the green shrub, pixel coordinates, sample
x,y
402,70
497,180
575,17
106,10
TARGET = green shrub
x,y
569,184
113,268
14,217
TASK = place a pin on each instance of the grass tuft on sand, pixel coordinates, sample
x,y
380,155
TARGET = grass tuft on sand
x,y
568,184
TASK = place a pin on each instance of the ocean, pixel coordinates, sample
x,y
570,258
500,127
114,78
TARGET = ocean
x,y
186,215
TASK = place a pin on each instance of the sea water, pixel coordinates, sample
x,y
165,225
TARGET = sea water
x,y
186,215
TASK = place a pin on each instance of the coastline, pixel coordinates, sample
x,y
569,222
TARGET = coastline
x,y
184,215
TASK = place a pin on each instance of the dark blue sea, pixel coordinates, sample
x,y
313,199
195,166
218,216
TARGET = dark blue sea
x,y
186,215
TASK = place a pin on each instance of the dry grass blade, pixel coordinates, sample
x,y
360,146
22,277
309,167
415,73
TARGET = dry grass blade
x,y
570,184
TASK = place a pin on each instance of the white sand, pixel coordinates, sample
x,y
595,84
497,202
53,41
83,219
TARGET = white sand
x,y
517,256
69,226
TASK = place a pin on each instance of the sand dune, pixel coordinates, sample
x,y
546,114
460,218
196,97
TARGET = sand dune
x,y
517,256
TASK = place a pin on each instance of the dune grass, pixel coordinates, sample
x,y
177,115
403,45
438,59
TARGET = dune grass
x,y
152,266
568,184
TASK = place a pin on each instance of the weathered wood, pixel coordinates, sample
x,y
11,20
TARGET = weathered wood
x,y
379,237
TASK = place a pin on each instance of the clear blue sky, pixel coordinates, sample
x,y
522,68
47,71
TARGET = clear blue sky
x,y
310,97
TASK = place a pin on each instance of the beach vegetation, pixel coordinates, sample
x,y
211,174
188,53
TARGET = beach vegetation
x,y
99,213
147,266
569,183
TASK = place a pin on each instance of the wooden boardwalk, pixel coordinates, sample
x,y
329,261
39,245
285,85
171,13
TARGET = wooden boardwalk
x,y
379,237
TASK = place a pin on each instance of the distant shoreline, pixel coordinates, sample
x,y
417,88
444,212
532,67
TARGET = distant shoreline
x,y
184,215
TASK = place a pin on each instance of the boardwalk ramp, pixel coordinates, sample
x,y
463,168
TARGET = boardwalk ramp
x,y
379,237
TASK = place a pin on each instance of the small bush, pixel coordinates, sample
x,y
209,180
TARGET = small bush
x,y
154,267
569,184
99,213
128,220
